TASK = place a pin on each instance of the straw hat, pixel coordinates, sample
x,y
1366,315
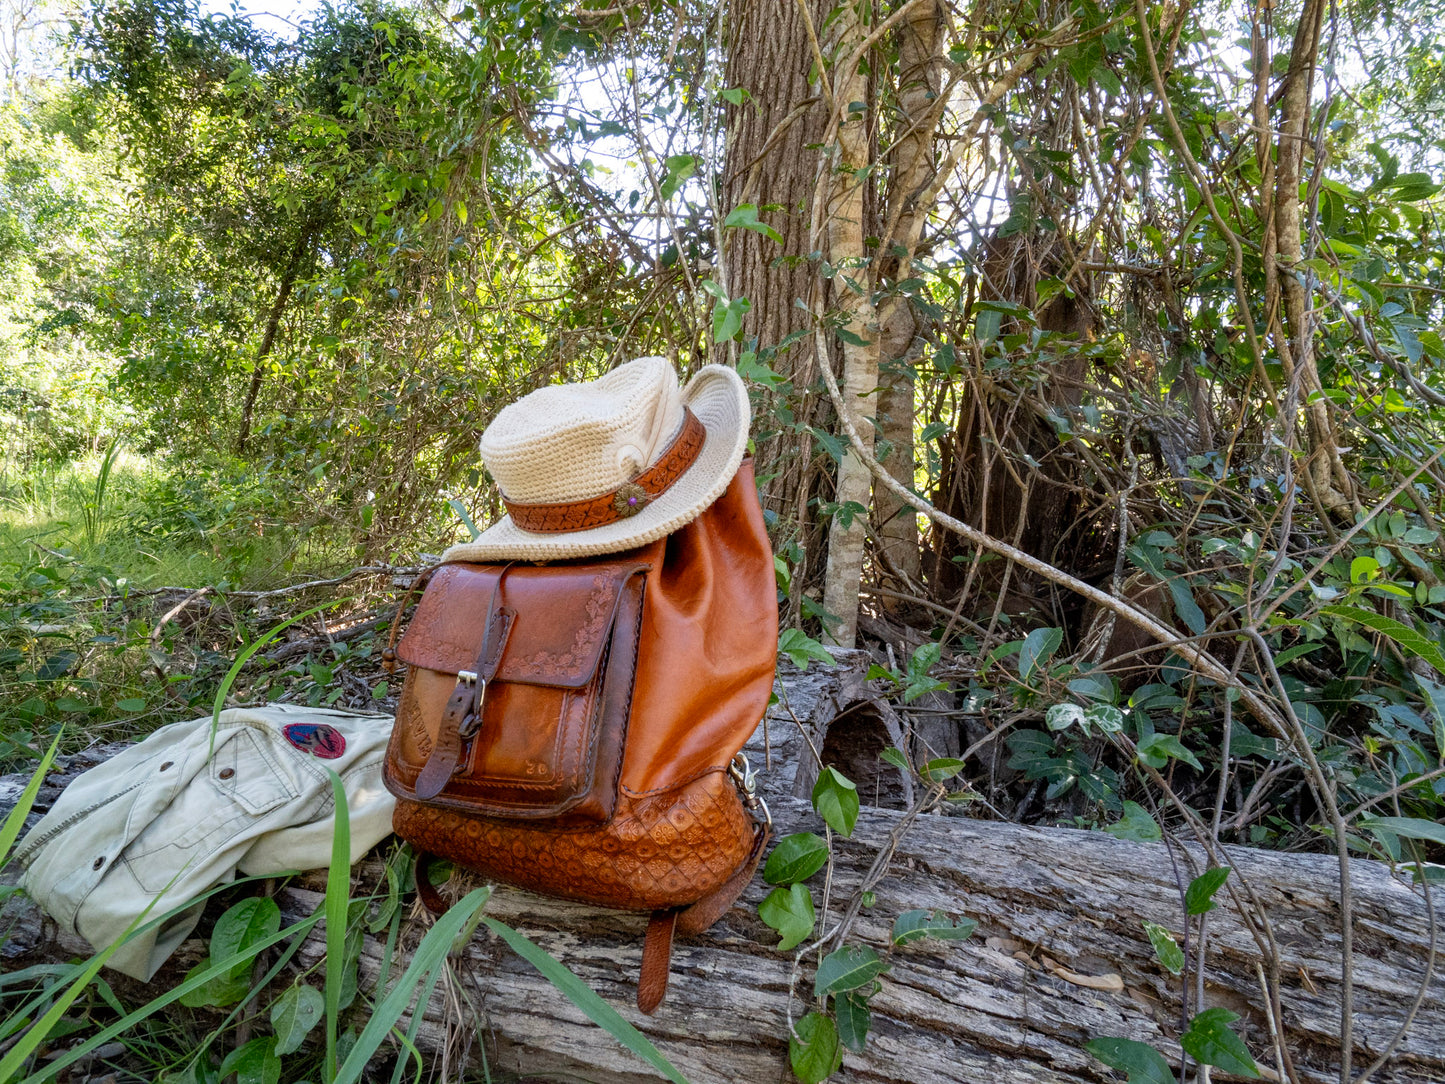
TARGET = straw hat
x,y
608,465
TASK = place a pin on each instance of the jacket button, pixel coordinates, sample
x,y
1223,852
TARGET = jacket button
x,y
226,773
167,764
98,862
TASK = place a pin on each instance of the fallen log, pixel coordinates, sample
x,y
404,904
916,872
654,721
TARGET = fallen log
x,y
1060,955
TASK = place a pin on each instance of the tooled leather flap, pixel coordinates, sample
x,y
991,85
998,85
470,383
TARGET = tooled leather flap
x,y
564,614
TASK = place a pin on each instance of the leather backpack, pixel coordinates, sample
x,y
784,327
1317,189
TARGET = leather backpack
x,y
573,727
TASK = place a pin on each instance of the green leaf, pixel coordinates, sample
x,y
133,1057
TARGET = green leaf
x,y
1184,604
1063,716
1106,717
851,1009
254,1063
727,318
679,168
795,858
940,768
1165,947
790,912
584,997
1142,1062
219,990
132,703
800,648
1410,640
1135,824
814,1050
1210,1041
1409,827
835,797
244,924
895,756
847,968
1038,648
745,217
294,1014
913,926
1157,748
1199,897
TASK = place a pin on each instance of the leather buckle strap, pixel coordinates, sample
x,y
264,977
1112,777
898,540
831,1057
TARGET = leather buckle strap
x,y
623,502
462,717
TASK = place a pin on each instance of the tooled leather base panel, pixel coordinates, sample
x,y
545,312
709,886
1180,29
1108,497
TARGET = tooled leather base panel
x,y
664,850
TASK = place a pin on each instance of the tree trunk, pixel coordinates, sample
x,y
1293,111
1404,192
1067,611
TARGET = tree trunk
x,y
268,339
1331,482
1060,957
912,169
845,187
772,159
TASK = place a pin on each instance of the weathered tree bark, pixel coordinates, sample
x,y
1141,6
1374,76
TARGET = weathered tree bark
x,y
920,41
1060,956
843,220
772,158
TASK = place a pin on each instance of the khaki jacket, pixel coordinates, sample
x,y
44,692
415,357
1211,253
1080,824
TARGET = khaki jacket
x,y
163,813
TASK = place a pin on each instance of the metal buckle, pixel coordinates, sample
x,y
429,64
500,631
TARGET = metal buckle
x,y
746,780
473,720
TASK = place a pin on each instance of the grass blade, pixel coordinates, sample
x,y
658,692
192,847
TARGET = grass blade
x,y
245,656
16,821
338,898
428,956
150,1008
585,998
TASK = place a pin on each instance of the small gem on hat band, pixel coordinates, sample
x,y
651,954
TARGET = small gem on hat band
x,y
623,502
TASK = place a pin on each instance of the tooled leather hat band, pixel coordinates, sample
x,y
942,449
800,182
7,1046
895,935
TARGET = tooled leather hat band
x,y
623,502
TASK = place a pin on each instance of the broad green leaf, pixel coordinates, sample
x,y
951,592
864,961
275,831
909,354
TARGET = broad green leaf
x,y
1038,648
1106,717
1135,824
131,703
745,217
895,756
727,318
913,926
1184,604
814,1051
1435,694
1157,748
1165,947
244,924
1063,716
940,768
1210,1041
1409,639
795,858
220,990
254,1063
851,1009
847,968
1142,1062
1199,896
1409,827
294,1014
799,647
835,797
790,912
679,168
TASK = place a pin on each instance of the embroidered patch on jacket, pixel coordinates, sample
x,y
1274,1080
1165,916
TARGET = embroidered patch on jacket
x,y
318,739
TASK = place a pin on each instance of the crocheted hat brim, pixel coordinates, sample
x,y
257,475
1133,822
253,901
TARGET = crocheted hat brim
x,y
717,396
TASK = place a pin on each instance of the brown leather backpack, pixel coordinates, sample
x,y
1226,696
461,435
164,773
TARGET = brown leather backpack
x,y
572,727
